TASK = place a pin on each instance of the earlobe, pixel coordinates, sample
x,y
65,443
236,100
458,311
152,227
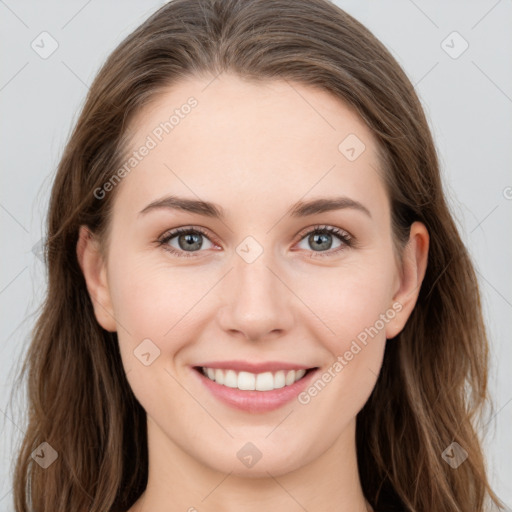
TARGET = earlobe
x,y
94,270
412,272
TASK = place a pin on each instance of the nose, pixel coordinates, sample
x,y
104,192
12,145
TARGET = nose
x,y
257,303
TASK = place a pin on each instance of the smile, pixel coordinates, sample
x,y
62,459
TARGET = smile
x,y
255,392
246,381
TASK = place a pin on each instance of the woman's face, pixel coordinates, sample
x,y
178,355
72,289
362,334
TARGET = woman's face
x,y
253,292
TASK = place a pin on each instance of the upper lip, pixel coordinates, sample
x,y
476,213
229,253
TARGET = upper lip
x,y
246,366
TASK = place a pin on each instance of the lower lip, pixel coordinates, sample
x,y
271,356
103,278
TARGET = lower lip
x,y
256,401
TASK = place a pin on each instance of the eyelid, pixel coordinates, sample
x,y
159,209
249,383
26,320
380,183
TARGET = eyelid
x,y
346,239
162,240
327,227
176,231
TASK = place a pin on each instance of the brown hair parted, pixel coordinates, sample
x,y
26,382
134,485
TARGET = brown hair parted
x,y
433,383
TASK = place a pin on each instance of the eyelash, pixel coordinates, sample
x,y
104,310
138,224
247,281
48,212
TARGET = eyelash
x,y
346,239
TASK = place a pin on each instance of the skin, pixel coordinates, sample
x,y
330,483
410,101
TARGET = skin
x,y
254,149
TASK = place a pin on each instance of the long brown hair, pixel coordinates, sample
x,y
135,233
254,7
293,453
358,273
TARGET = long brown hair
x,y
433,384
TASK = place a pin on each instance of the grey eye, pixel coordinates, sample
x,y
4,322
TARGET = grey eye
x,y
190,241
319,242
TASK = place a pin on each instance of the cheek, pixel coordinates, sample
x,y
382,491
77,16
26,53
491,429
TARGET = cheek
x,y
150,299
157,302
154,306
350,301
355,306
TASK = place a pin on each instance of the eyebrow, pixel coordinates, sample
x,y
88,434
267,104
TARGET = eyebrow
x,y
299,209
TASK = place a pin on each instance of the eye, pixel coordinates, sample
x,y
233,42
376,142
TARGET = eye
x,y
184,242
188,240
321,240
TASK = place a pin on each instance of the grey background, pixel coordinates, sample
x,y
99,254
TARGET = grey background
x,y
468,101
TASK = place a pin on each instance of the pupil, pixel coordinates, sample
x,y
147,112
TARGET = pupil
x,y
190,239
323,239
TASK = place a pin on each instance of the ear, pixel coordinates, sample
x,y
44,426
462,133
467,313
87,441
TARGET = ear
x,y
412,272
95,273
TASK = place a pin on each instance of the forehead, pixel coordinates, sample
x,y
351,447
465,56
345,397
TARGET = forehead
x,y
232,139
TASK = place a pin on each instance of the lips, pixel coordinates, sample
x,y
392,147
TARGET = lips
x,y
254,387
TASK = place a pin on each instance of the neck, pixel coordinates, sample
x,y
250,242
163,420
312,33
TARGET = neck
x,y
179,482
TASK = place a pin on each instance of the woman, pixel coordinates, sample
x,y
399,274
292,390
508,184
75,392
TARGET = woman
x,y
204,345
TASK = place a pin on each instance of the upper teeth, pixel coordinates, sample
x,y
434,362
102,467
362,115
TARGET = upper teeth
x,y
251,381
